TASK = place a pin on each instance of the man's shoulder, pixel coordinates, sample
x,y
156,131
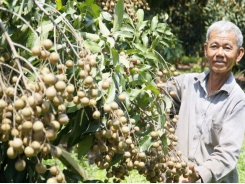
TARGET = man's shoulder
x,y
188,77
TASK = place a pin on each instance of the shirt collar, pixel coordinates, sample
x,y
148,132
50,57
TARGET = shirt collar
x,y
228,86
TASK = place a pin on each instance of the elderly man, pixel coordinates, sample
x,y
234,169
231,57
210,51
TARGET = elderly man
x,y
211,108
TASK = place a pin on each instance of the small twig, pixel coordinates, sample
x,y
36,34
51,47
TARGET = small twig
x,y
16,55
57,27
4,9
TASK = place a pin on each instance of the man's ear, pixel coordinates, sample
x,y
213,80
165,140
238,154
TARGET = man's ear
x,y
205,49
240,54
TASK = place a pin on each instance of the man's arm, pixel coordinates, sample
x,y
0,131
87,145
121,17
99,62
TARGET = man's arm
x,y
224,158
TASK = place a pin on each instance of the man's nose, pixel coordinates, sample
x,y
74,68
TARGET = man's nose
x,y
220,51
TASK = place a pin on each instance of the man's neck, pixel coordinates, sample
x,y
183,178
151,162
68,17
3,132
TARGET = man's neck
x,y
216,81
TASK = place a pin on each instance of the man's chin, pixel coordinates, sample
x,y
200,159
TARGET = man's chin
x,y
219,70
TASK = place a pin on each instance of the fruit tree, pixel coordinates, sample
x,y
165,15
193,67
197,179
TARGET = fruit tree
x,y
90,78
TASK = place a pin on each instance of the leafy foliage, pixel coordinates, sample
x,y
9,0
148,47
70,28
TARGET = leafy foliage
x,y
105,61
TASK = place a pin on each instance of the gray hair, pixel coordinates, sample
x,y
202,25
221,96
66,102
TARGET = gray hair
x,y
226,26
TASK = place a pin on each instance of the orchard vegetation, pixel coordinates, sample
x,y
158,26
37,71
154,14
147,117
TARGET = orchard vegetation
x,y
80,76
89,76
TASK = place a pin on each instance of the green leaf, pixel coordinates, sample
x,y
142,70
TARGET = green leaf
x,y
118,16
70,163
91,36
141,47
168,33
111,94
92,46
107,16
115,56
145,143
164,43
33,40
140,15
134,93
15,18
48,27
143,100
155,42
154,23
111,41
151,55
163,138
103,29
76,130
152,88
141,25
133,51
116,158
85,145
59,4
161,27
144,67
127,28
168,102
124,61
145,39
123,34
96,10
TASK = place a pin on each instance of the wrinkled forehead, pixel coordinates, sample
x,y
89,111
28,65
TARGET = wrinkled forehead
x,y
223,36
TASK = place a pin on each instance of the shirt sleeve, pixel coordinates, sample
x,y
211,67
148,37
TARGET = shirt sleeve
x,y
173,86
225,156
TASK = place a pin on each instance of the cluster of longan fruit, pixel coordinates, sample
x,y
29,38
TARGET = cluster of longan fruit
x,y
119,137
33,111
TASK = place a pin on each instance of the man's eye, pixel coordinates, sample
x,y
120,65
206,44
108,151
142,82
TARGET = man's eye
x,y
214,47
227,48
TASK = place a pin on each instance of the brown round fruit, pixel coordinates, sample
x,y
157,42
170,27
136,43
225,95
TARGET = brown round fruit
x,y
29,151
85,101
51,92
40,168
107,108
125,129
27,125
49,79
37,126
36,146
17,144
52,180
122,97
54,170
154,134
105,85
88,80
69,64
12,154
20,165
70,88
54,58
60,86
36,51
50,134
56,151
63,119
27,112
47,44
96,114
114,106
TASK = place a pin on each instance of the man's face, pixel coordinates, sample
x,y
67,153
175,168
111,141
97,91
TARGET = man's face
x,y
222,51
